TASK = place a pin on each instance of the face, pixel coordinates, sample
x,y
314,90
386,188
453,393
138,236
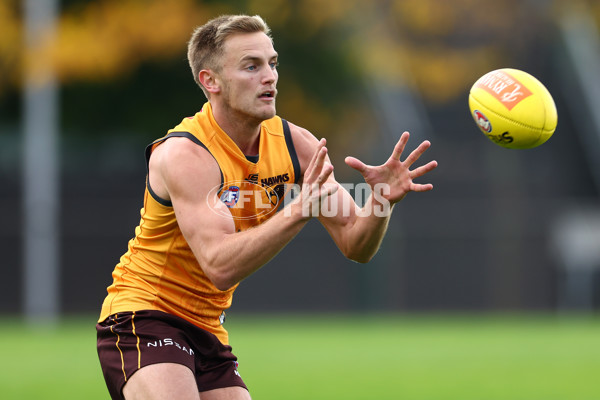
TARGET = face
x,y
248,77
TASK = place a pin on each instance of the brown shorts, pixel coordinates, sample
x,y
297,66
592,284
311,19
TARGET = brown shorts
x,y
132,340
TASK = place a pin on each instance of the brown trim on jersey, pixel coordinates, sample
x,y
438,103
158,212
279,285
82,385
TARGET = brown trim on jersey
x,y
148,152
160,200
291,149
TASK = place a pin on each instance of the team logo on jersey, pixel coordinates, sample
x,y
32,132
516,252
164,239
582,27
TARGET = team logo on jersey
x,y
273,180
252,178
245,200
231,196
276,193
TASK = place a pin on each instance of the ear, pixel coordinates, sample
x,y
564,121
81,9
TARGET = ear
x,y
209,80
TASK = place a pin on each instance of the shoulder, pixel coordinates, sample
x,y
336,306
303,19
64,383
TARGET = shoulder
x,y
305,144
179,162
173,150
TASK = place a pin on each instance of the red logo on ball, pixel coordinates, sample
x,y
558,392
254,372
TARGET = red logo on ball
x,y
482,121
504,87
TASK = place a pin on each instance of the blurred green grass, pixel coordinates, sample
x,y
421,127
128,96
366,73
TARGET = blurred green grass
x,y
417,357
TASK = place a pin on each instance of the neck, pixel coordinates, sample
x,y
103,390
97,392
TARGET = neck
x,y
242,129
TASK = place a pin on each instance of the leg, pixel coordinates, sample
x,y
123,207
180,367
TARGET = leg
x,y
230,393
160,382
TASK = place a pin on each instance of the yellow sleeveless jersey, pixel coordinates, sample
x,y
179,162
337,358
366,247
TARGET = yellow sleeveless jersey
x,y
159,270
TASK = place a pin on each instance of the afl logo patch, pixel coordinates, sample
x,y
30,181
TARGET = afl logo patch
x,y
482,121
231,196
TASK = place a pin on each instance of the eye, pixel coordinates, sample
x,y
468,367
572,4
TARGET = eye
x,y
274,64
251,68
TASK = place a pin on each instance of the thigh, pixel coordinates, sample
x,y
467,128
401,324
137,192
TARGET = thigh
x,y
161,382
230,393
129,342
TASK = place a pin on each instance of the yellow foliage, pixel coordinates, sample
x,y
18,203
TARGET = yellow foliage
x,y
319,14
10,44
440,80
276,13
341,124
433,16
297,105
435,46
109,38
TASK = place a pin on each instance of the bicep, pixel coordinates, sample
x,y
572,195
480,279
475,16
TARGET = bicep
x,y
201,219
192,179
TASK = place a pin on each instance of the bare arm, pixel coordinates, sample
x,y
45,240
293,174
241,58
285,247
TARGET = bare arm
x,y
185,173
389,183
358,232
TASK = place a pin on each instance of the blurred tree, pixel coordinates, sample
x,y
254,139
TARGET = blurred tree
x,y
107,39
10,59
10,39
122,63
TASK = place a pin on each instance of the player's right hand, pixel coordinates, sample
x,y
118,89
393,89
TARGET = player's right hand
x,y
315,188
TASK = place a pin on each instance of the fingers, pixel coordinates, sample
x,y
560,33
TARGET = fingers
x,y
327,190
417,153
416,187
317,168
320,146
414,155
356,164
315,188
325,173
399,148
313,197
395,163
422,170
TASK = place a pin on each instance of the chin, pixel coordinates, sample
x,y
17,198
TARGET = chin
x,y
271,114
267,113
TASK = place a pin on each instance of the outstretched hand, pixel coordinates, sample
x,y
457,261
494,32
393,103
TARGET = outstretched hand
x,y
314,183
396,174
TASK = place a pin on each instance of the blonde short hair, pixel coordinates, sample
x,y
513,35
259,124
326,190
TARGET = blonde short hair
x,y
205,47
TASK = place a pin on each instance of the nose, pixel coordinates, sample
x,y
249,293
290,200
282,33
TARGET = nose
x,y
270,76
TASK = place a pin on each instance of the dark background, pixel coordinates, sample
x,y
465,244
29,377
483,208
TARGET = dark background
x,y
482,240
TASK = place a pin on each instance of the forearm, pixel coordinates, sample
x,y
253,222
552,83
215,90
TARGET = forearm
x,y
232,257
361,239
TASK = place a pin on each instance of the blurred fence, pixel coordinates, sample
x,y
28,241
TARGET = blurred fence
x,y
483,239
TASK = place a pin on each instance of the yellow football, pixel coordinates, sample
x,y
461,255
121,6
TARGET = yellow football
x,y
513,109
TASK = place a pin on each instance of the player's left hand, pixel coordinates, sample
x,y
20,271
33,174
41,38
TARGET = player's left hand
x,y
396,174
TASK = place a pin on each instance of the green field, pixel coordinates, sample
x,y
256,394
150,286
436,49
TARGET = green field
x,y
413,357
